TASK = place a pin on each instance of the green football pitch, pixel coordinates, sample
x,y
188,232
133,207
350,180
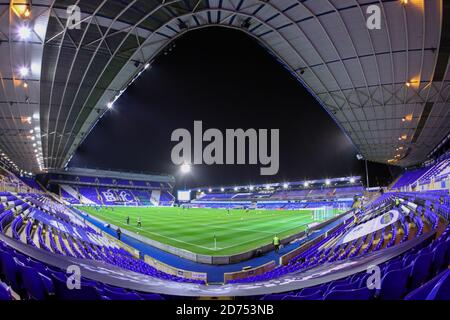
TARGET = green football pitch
x,y
207,231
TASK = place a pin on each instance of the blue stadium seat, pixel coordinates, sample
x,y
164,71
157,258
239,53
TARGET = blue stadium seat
x,y
421,269
116,295
394,284
33,283
439,258
273,296
86,291
353,294
5,293
442,289
422,292
10,270
151,296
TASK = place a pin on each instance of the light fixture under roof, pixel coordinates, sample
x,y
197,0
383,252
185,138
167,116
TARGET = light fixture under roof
x,y
24,71
185,168
24,32
21,8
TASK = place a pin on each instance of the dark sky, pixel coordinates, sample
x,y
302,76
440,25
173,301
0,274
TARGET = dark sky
x,y
227,80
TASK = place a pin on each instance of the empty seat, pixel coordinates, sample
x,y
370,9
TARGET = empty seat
x,y
421,269
442,289
62,292
273,296
422,292
10,270
115,295
439,258
310,290
33,283
353,294
394,284
5,292
151,296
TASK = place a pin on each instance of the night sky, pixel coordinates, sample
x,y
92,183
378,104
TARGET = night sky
x,y
227,80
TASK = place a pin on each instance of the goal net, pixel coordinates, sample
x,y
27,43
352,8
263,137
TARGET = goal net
x,y
323,213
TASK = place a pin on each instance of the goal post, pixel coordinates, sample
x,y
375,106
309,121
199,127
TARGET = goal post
x,y
323,213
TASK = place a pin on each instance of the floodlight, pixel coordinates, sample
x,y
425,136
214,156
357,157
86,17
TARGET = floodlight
x,y
24,71
24,32
185,168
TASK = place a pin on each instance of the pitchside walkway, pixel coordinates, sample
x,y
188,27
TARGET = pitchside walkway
x,y
214,272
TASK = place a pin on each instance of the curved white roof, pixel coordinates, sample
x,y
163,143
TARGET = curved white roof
x,y
369,81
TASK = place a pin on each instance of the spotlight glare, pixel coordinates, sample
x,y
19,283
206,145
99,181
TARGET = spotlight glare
x,y
24,71
24,32
185,168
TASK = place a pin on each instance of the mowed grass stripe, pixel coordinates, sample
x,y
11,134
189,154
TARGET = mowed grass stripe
x,y
194,229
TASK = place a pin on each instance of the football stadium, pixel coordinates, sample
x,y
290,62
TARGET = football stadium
x,y
241,215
